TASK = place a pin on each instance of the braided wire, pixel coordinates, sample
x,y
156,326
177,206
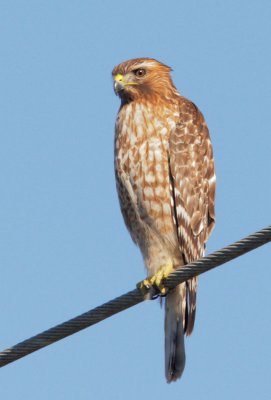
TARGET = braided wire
x,y
133,297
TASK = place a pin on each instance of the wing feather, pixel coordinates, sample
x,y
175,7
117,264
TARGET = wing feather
x,y
193,186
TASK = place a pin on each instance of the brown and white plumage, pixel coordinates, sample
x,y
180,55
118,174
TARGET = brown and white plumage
x,y
166,184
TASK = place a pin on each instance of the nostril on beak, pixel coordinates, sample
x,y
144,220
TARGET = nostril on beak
x,y
119,78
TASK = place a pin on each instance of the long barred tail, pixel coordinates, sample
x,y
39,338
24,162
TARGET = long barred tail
x,y
180,309
174,334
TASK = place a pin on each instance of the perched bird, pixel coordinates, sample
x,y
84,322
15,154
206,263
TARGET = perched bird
x,y
166,185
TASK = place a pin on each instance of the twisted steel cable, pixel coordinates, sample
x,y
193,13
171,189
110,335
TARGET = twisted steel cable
x,y
133,297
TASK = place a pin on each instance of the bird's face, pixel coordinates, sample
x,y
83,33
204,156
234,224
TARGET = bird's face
x,y
126,81
140,77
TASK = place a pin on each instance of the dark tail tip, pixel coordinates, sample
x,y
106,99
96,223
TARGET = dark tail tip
x,y
176,365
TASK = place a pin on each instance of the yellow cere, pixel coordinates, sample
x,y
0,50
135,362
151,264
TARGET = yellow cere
x,y
118,78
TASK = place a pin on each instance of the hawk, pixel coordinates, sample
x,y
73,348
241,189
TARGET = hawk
x,y
166,186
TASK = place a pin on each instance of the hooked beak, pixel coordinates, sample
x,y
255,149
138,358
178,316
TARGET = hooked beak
x,y
118,83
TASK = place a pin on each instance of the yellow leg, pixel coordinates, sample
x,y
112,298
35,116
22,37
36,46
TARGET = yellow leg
x,y
157,280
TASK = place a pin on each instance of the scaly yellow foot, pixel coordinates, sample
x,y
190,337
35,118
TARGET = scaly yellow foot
x,y
157,280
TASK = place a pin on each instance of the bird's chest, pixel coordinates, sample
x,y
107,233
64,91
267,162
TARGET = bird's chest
x,y
141,144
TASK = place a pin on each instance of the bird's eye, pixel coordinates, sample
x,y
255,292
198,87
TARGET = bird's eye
x,y
139,72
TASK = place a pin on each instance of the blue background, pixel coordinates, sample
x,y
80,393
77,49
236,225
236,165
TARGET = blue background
x,y
63,245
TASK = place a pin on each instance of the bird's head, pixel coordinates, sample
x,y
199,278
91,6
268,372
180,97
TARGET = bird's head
x,y
142,77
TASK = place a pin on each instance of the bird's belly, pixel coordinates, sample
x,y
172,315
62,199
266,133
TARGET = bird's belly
x,y
145,173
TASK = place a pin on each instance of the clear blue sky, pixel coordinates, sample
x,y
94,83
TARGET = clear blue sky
x,y
63,245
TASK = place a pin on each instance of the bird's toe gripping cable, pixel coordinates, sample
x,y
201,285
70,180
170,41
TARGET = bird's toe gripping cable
x,y
153,287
